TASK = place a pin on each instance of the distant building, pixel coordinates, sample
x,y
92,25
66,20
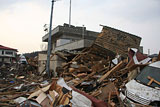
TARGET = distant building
x,y
7,55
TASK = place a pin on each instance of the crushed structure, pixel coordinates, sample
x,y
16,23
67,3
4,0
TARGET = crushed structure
x,y
117,41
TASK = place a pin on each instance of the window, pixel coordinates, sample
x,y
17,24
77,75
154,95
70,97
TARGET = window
x,y
2,52
62,42
9,53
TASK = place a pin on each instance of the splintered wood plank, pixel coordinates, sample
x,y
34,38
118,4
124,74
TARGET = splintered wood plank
x,y
152,80
85,78
36,93
117,67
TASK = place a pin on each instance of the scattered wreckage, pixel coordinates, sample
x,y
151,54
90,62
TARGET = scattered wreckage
x,y
100,76
144,88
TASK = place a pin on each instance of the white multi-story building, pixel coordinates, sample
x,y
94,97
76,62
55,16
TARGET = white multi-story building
x,y
7,55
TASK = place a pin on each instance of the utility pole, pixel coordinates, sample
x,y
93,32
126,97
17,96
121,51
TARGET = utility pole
x,y
70,13
49,42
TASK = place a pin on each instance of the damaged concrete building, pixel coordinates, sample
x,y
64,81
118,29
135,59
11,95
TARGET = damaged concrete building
x,y
70,38
74,39
65,38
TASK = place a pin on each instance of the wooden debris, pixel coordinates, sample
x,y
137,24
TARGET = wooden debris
x,y
117,67
152,80
158,59
92,71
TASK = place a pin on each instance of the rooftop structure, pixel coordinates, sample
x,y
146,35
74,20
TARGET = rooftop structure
x,y
70,38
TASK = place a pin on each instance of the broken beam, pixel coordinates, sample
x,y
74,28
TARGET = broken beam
x,y
117,67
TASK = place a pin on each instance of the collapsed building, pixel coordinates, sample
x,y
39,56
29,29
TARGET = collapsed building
x,y
74,39
117,41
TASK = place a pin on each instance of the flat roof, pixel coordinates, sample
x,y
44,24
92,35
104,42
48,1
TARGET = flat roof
x,y
73,30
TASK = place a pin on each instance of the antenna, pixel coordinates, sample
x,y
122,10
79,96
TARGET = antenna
x,y
70,13
46,28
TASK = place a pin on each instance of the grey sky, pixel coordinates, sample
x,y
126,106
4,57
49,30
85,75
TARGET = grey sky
x,y
25,19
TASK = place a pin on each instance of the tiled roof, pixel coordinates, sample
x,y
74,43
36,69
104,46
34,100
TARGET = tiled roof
x,y
6,48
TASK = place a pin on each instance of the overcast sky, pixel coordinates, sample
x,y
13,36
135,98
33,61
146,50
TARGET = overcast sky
x,y
21,21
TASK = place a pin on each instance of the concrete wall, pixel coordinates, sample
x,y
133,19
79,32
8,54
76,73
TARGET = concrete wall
x,y
55,61
0,59
42,59
7,60
75,45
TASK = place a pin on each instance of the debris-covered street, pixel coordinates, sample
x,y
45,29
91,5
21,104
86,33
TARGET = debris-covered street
x,y
79,53
106,74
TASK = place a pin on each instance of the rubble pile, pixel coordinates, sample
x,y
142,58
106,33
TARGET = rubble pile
x,y
110,73
98,75
33,62
17,80
103,77
94,80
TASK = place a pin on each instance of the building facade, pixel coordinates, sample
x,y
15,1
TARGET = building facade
x,y
7,55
